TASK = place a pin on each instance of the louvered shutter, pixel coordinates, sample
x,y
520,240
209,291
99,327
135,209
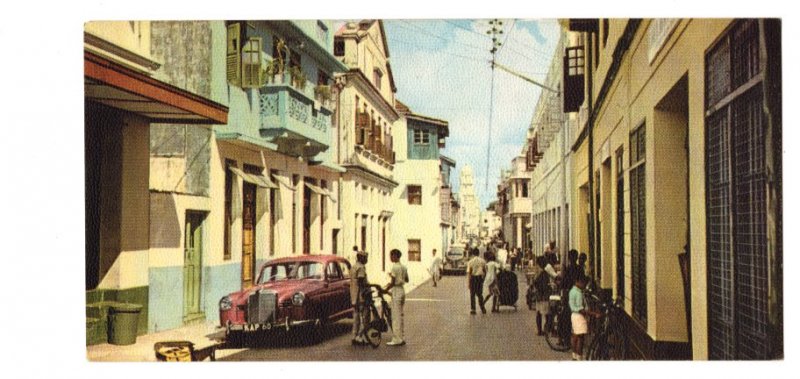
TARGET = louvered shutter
x,y
361,120
251,63
232,59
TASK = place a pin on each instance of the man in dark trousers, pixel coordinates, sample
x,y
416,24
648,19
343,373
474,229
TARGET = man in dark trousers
x,y
476,271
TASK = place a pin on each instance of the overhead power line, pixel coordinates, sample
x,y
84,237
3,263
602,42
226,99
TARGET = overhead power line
x,y
481,48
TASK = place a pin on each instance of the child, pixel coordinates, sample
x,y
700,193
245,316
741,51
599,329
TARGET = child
x,y
358,287
580,324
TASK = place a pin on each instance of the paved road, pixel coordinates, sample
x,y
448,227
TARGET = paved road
x,y
438,328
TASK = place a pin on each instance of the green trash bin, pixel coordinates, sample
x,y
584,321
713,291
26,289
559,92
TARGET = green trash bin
x,y
123,323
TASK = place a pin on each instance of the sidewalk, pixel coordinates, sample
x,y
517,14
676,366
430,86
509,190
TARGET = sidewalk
x,y
201,334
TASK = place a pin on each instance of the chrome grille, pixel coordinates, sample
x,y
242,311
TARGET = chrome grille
x,y
261,306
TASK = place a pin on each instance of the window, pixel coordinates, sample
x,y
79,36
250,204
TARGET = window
x,y
736,199
338,48
574,90
421,137
322,78
524,189
414,250
332,271
345,269
251,63
415,195
638,230
226,255
377,76
295,60
620,227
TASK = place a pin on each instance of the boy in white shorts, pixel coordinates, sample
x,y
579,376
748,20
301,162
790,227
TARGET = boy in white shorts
x,y
580,324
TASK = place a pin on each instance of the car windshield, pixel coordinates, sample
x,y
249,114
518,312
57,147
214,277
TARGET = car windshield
x,y
291,270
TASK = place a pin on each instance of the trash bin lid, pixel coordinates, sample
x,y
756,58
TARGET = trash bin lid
x,y
125,308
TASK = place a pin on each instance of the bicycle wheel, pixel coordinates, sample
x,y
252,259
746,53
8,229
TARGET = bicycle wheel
x,y
617,346
373,336
598,348
561,341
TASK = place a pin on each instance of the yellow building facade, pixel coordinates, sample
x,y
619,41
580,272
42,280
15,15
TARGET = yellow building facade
x,y
678,203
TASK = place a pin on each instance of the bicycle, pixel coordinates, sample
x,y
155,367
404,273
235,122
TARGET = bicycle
x,y
558,332
609,341
377,321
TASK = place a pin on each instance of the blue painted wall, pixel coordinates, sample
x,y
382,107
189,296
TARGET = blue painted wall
x,y
166,293
166,298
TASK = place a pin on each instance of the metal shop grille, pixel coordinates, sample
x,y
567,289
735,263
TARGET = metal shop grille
x,y
736,199
720,259
638,226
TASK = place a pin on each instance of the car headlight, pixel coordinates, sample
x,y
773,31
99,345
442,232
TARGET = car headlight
x,y
225,303
298,298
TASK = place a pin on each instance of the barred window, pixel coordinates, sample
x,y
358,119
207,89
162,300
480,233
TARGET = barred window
x,y
638,225
736,198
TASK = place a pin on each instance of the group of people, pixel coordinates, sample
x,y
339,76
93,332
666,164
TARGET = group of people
x,y
570,281
361,296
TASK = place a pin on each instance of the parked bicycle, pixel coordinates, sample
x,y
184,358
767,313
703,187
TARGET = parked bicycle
x,y
608,340
379,320
559,330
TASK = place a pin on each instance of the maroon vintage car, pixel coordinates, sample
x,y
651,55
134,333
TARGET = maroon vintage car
x,y
295,291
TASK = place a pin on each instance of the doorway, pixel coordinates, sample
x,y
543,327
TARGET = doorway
x,y
248,233
193,266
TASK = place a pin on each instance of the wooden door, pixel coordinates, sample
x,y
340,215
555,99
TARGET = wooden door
x,y
248,233
192,265
306,220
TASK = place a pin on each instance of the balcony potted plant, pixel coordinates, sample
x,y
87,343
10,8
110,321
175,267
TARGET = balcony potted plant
x,y
322,95
298,77
275,73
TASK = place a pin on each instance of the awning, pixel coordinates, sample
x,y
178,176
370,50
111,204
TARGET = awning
x,y
284,181
259,180
320,191
114,85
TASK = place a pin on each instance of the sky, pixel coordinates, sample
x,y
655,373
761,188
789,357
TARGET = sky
x,y
441,69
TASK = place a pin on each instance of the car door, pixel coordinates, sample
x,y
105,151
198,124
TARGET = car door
x,y
344,285
329,298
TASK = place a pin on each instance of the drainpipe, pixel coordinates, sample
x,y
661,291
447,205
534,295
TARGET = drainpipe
x,y
590,135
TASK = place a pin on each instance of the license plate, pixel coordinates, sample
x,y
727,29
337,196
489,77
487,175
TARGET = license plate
x,y
256,327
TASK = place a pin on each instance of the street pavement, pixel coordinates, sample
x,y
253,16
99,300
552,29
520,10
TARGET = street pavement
x,y
438,327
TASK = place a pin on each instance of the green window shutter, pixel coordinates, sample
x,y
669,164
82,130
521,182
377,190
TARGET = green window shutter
x,y
232,59
251,63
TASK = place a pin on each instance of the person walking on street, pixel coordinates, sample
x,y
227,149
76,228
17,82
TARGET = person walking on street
x,y
513,257
436,268
359,288
476,271
490,285
542,291
398,278
579,318
502,255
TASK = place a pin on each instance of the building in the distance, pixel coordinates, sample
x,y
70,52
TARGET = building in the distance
x,y
470,205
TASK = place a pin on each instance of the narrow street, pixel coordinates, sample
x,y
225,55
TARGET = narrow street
x,y
438,328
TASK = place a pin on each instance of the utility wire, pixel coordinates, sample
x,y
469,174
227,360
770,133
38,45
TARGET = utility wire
x,y
393,40
481,48
510,29
463,28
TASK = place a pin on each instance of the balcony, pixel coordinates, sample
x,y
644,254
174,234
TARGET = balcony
x,y
292,119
